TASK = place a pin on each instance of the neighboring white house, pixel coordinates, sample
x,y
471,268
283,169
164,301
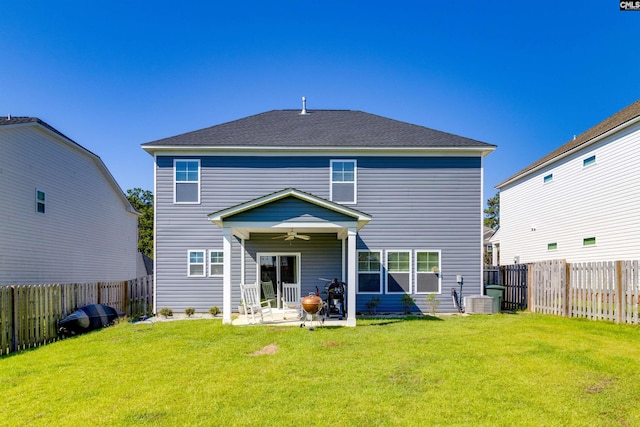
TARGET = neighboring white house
x,y
579,203
63,217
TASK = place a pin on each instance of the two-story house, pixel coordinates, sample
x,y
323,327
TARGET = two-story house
x,y
391,208
64,218
580,202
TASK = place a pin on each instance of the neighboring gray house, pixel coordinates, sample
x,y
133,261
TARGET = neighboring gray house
x,y
63,216
290,196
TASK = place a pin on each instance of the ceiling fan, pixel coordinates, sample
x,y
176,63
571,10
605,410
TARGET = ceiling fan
x,y
292,235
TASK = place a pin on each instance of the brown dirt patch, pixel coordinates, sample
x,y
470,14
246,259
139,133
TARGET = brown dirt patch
x,y
268,349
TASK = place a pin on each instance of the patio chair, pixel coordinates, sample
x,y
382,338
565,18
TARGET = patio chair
x,y
291,303
252,304
268,292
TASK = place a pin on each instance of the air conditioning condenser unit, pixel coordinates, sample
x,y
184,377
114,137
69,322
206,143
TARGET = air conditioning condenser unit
x,y
478,304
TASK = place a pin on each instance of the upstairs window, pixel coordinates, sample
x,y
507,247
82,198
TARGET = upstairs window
x,y
548,178
552,246
343,181
187,181
589,161
589,241
40,201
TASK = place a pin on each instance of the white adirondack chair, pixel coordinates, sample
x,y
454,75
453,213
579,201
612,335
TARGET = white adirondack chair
x,y
252,304
268,292
291,302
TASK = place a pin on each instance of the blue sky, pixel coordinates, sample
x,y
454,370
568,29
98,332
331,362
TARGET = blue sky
x,y
112,75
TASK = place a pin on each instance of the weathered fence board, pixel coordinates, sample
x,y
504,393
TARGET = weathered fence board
x,y
595,290
29,314
548,292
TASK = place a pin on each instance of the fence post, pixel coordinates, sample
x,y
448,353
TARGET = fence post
x,y
530,286
619,298
14,328
567,289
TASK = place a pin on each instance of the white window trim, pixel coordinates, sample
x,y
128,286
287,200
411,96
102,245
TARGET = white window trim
x,y
355,180
204,263
175,182
216,263
387,271
415,267
380,274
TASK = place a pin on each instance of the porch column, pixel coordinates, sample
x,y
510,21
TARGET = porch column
x,y
226,276
352,264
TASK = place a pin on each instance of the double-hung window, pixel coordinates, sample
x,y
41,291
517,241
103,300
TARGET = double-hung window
x,y
196,264
344,181
40,201
216,266
369,272
186,181
427,272
399,272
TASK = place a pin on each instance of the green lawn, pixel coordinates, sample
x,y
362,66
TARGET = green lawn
x,y
501,370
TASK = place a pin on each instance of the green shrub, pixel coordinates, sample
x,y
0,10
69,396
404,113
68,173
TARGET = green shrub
x,y
214,311
189,311
165,312
433,303
407,302
372,304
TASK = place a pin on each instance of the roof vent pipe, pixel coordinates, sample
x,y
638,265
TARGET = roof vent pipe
x,y
304,106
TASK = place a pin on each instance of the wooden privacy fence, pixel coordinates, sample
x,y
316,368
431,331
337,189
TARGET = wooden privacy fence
x,y
29,314
595,290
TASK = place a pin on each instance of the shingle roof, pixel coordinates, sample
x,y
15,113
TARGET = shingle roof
x,y
318,128
619,118
4,121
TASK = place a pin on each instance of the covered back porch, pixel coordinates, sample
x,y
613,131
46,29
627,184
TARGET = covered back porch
x,y
289,236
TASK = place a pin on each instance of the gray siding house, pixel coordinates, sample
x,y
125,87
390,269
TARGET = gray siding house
x,y
388,207
64,218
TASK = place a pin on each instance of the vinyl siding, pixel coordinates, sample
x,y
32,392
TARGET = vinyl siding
x,y
601,200
426,203
86,234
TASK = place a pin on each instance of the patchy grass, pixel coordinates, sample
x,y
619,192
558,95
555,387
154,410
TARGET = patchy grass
x,y
501,370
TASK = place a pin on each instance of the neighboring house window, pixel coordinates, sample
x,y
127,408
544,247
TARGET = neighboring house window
x,y
548,178
40,201
187,181
399,271
343,181
427,272
216,266
196,264
369,272
589,161
589,241
552,246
